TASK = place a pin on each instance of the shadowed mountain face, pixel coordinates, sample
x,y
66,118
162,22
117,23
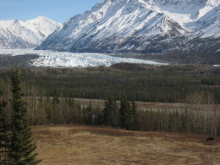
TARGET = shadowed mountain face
x,y
145,26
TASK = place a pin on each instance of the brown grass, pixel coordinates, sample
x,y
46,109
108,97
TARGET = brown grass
x,y
80,145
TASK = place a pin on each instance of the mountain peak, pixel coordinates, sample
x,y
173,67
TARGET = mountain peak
x,y
18,34
41,19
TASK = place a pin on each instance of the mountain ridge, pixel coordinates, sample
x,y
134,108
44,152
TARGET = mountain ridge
x,y
145,26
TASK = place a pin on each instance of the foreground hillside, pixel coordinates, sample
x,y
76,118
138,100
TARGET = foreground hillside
x,y
59,145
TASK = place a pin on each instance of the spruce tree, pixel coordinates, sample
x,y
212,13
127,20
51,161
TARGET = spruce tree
x,y
21,145
48,110
107,112
111,113
125,113
135,121
4,128
115,114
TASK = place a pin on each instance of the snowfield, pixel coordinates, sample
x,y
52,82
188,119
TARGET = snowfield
x,y
66,59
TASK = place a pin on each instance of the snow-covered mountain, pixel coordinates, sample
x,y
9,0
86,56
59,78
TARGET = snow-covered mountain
x,y
29,34
209,24
141,26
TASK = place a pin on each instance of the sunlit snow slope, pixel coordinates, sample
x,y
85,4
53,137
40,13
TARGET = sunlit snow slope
x,y
67,59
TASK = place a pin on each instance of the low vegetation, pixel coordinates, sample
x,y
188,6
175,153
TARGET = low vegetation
x,y
61,145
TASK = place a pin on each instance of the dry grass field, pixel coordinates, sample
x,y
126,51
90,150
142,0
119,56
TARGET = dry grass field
x,y
79,145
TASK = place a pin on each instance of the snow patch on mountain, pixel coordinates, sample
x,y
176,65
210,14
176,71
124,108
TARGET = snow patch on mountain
x,y
66,59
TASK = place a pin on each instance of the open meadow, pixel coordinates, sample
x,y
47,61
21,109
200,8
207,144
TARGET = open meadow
x,y
77,145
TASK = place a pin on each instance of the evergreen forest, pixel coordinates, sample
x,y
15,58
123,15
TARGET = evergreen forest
x,y
50,95
144,82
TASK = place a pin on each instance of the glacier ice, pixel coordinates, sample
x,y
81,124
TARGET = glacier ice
x,y
66,59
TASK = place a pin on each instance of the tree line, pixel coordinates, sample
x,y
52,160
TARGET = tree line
x,y
196,118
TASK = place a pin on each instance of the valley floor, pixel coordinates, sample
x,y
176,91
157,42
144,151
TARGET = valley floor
x,y
77,145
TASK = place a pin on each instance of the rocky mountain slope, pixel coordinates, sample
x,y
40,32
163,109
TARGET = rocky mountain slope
x,y
29,34
145,26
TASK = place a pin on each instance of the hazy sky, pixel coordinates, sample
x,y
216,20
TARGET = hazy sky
x,y
56,10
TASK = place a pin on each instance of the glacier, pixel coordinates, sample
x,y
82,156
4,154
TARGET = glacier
x,y
49,58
